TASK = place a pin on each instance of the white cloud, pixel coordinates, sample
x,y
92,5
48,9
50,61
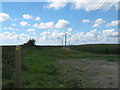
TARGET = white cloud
x,y
24,23
45,33
115,34
52,35
98,22
33,33
91,34
108,32
10,28
62,24
37,18
56,4
61,34
47,25
94,31
6,32
55,30
13,24
27,16
96,25
69,33
23,34
4,17
85,21
94,37
113,23
13,19
55,36
109,35
88,5
43,38
30,29
91,5
13,36
51,25
70,29
77,37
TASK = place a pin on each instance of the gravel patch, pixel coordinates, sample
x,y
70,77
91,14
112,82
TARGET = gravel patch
x,y
91,73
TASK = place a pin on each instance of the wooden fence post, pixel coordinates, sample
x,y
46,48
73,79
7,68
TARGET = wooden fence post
x,y
18,66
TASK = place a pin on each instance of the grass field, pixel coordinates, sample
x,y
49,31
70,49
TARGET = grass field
x,y
60,67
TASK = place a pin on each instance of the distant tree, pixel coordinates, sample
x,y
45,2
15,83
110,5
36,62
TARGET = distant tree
x,y
31,42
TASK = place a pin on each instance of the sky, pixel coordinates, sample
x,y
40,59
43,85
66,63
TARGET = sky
x,y
47,22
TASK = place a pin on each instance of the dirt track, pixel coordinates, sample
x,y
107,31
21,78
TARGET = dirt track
x,y
89,73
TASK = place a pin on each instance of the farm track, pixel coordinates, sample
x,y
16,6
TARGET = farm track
x,y
90,73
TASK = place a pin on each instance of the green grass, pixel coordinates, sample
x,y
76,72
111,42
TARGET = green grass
x,y
39,67
43,69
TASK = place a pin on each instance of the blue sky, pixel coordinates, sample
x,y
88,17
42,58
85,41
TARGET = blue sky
x,y
47,22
